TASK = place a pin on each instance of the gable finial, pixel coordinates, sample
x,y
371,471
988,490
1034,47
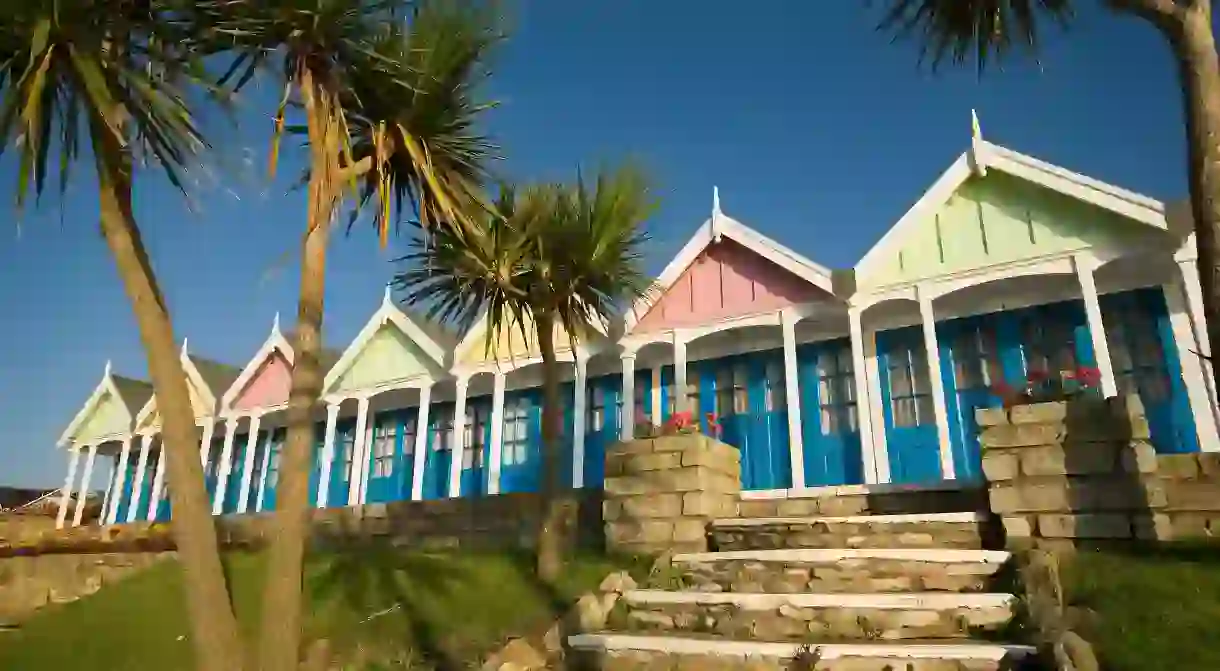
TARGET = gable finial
x,y
716,214
106,373
275,325
978,162
387,298
184,351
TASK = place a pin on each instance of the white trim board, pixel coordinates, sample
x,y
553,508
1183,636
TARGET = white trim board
x,y
106,384
387,313
207,395
675,645
275,341
755,601
984,155
823,555
713,229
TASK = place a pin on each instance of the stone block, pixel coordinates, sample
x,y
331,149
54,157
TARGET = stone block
x,y
1139,457
1039,413
986,417
1017,526
1152,527
654,461
687,530
758,508
652,505
1091,525
797,507
843,506
1209,465
998,466
1021,435
707,505
1178,466
1204,496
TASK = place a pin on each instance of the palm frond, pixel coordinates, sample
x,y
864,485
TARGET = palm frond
x,y
978,30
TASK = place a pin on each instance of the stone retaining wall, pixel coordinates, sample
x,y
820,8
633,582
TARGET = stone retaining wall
x,y
29,583
1071,470
850,500
1085,470
661,492
488,522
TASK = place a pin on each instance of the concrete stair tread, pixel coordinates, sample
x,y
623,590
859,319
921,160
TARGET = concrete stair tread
x,y
869,600
696,644
824,555
942,518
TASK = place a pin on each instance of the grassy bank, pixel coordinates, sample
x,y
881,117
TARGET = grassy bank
x,y
428,610
1153,608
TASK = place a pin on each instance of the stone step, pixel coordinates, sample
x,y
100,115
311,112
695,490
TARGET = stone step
x,y
624,652
850,570
931,530
801,617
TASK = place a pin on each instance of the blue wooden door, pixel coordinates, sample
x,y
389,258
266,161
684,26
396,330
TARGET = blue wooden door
x,y
977,354
829,414
748,401
389,470
1055,339
315,473
1146,362
341,463
478,445
440,451
163,506
273,444
237,470
521,440
602,425
906,395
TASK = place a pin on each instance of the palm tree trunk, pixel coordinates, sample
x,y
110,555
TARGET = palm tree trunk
x,y
214,631
550,543
1194,47
280,635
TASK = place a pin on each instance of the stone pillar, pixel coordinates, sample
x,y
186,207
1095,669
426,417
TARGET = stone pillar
x,y
1066,471
661,492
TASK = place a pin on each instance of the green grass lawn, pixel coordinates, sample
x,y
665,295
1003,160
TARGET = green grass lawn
x,y
1156,607
433,610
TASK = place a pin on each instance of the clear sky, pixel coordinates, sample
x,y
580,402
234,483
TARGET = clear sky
x,y
818,131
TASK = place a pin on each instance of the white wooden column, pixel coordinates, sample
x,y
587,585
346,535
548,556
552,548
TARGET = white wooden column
x,y
680,375
369,429
1193,295
158,487
262,478
421,442
939,408
120,479
137,485
868,444
1097,328
104,516
459,438
1198,393
83,498
627,405
792,394
580,395
247,474
495,453
328,454
355,477
65,496
225,467
658,408
205,443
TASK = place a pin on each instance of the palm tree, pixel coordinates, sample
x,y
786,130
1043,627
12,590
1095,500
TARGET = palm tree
x,y
982,30
107,74
394,88
557,256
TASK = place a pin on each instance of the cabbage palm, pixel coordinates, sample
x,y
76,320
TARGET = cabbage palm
x,y
107,75
985,30
337,59
565,256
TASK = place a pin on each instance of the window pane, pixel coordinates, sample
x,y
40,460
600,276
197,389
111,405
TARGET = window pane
x,y
905,414
919,368
900,377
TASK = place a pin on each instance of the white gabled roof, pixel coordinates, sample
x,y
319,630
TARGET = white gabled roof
x,y
131,394
478,330
718,226
983,155
206,393
275,341
387,313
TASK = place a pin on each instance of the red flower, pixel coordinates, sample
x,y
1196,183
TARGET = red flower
x,y
1088,376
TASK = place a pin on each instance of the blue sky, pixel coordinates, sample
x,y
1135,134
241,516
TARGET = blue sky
x,y
818,131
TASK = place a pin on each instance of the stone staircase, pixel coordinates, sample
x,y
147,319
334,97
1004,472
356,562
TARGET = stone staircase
x,y
872,592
